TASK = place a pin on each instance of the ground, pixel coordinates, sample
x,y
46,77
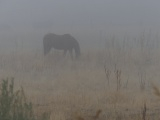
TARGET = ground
x,y
102,84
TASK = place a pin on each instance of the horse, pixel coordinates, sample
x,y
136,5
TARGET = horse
x,y
61,42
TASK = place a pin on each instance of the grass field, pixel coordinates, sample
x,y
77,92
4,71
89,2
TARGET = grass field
x,y
106,84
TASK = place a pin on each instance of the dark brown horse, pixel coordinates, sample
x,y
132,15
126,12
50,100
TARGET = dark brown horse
x,y
61,42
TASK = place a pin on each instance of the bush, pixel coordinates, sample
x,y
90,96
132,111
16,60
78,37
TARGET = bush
x,y
13,105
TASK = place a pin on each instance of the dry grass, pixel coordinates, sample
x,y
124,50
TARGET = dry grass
x,y
79,89
156,90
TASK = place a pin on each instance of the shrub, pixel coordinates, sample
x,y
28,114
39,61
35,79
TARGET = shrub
x,y
13,105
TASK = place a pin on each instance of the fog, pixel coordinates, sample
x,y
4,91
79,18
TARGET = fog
x,y
23,23
113,75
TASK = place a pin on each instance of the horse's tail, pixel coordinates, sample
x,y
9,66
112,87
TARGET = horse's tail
x,y
77,49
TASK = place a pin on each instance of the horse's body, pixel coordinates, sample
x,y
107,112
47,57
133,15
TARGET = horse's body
x,y
61,42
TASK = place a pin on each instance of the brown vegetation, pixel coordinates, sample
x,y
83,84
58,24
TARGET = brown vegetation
x,y
111,84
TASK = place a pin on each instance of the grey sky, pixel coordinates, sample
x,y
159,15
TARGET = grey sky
x,y
86,20
66,12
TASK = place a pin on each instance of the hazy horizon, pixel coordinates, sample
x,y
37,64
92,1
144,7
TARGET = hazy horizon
x,y
88,21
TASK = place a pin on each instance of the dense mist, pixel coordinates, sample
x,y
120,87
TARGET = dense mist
x,y
23,23
105,64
